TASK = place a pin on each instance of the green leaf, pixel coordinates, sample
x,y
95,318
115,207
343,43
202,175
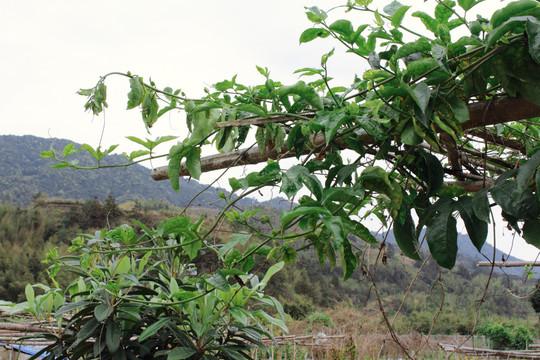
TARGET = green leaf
x,y
441,235
193,163
30,296
533,35
153,328
313,33
102,311
420,45
122,266
476,228
48,154
150,109
531,229
397,11
205,107
61,166
254,109
88,330
90,150
527,171
338,194
423,94
142,142
343,28
429,169
406,239
113,336
232,257
180,353
314,185
520,205
409,137
260,137
237,238
176,153
348,260
315,14
506,27
444,33
203,124
306,93
108,151
336,227
430,23
361,231
137,153
68,149
219,282
513,9
460,109
443,13
71,306
174,226
288,254
420,67
263,315
468,4
136,93
292,180
287,216
271,272
480,204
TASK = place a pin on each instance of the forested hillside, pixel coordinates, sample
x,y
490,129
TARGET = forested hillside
x,y
24,174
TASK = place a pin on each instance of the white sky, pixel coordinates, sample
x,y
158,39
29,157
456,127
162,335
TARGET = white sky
x,y
50,49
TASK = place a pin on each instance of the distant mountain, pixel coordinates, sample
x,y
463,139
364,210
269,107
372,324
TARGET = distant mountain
x,y
23,174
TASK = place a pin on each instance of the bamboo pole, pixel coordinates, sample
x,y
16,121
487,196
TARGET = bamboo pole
x,y
507,263
24,328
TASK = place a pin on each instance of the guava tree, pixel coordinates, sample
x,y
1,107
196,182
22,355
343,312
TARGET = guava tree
x,y
443,124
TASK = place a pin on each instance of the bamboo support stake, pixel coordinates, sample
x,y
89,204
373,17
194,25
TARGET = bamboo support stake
x,y
507,263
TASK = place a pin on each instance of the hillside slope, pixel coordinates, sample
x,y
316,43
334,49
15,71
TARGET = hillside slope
x,y
23,174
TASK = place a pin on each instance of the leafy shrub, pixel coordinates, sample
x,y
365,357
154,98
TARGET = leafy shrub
x,y
140,295
320,318
506,336
298,310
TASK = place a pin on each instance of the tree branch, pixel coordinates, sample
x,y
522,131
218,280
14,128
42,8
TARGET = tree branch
x,y
498,140
489,112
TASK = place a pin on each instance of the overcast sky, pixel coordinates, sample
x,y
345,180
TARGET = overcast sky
x,y
50,49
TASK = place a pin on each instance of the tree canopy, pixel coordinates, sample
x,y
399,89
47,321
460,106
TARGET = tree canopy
x,y
444,123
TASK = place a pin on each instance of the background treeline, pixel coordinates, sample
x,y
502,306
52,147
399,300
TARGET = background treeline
x,y
27,234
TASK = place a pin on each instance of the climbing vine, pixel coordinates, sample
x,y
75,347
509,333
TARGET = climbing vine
x,y
443,124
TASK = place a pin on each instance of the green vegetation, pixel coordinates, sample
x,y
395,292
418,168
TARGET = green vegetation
x,y
141,295
304,288
436,130
504,336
